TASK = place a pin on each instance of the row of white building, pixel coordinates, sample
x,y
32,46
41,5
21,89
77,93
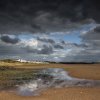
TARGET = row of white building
x,y
22,60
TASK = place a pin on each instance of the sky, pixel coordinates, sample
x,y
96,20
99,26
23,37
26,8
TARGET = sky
x,y
50,30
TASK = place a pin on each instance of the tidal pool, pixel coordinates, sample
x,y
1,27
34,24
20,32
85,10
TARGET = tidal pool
x,y
52,78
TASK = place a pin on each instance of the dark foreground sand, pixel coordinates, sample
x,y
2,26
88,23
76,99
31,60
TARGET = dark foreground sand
x,y
74,93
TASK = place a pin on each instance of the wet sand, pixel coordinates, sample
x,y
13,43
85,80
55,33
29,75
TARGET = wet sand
x,y
58,94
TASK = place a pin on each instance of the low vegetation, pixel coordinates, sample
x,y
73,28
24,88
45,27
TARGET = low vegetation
x,y
10,76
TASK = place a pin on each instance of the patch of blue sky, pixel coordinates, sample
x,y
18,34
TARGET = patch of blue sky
x,y
72,36
26,36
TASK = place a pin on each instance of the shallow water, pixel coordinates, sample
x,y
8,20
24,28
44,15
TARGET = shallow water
x,y
52,77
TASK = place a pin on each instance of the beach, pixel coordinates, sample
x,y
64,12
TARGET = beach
x,y
58,94
67,93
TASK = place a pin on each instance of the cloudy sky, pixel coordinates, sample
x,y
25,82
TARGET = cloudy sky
x,y
50,30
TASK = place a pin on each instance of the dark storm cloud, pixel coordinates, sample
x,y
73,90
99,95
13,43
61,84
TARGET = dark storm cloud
x,y
25,52
30,7
82,58
30,49
97,29
44,15
92,38
58,46
10,50
46,40
92,35
88,55
63,42
92,9
46,50
8,39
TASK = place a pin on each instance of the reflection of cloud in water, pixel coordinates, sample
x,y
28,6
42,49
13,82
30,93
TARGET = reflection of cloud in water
x,y
52,77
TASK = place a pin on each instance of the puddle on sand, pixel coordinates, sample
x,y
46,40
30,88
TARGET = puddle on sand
x,y
52,77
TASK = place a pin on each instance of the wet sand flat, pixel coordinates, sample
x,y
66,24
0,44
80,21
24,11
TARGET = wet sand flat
x,y
58,94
